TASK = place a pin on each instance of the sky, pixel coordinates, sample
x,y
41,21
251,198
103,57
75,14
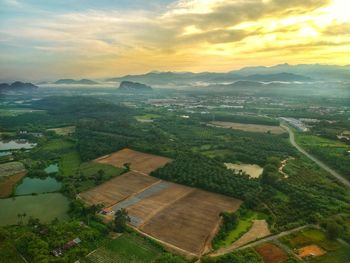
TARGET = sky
x,y
48,40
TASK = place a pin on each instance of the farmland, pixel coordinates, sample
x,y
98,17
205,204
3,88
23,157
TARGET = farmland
x,y
325,249
126,248
248,127
271,253
142,162
180,217
118,189
10,174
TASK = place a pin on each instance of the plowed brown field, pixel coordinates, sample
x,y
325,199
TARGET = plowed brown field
x,y
188,222
118,189
142,162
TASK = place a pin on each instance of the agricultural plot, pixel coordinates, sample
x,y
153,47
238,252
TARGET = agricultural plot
x,y
188,223
271,253
314,245
182,218
126,248
10,174
258,230
248,127
118,189
138,161
8,169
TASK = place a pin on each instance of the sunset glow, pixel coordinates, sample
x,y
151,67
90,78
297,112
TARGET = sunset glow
x,y
39,39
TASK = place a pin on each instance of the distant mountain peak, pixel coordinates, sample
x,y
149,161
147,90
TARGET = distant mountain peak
x,y
133,86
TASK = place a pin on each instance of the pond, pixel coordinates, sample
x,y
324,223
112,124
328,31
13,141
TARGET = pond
x,y
46,207
37,185
52,168
16,145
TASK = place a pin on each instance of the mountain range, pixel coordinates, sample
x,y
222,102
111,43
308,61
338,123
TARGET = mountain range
x,y
278,73
17,85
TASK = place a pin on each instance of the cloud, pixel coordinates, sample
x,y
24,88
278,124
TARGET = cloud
x,y
179,36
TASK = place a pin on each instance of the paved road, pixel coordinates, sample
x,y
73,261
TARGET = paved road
x,y
318,162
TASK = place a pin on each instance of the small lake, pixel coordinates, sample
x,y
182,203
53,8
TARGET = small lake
x,y
46,207
37,185
15,145
52,168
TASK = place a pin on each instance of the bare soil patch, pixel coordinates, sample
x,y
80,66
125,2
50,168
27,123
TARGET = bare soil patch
x,y
149,207
11,168
311,250
253,170
271,253
141,162
258,230
118,188
248,127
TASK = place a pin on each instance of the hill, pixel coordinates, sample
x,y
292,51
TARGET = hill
x,y
17,85
133,86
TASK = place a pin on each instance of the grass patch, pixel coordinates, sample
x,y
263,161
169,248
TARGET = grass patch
x,y
91,168
126,248
57,145
308,237
341,255
70,163
244,224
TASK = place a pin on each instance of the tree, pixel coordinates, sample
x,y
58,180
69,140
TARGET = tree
x,y
120,220
333,230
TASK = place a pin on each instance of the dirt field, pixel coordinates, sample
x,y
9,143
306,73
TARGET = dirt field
x,y
253,170
258,230
141,162
7,184
118,189
312,250
148,207
271,253
248,127
188,222
184,219
11,168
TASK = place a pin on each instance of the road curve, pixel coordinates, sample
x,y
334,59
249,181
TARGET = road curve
x,y
317,161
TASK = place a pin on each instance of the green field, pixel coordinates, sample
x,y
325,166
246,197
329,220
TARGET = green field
x,y
310,236
244,224
70,163
341,255
57,145
332,152
46,207
92,168
126,248
336,252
